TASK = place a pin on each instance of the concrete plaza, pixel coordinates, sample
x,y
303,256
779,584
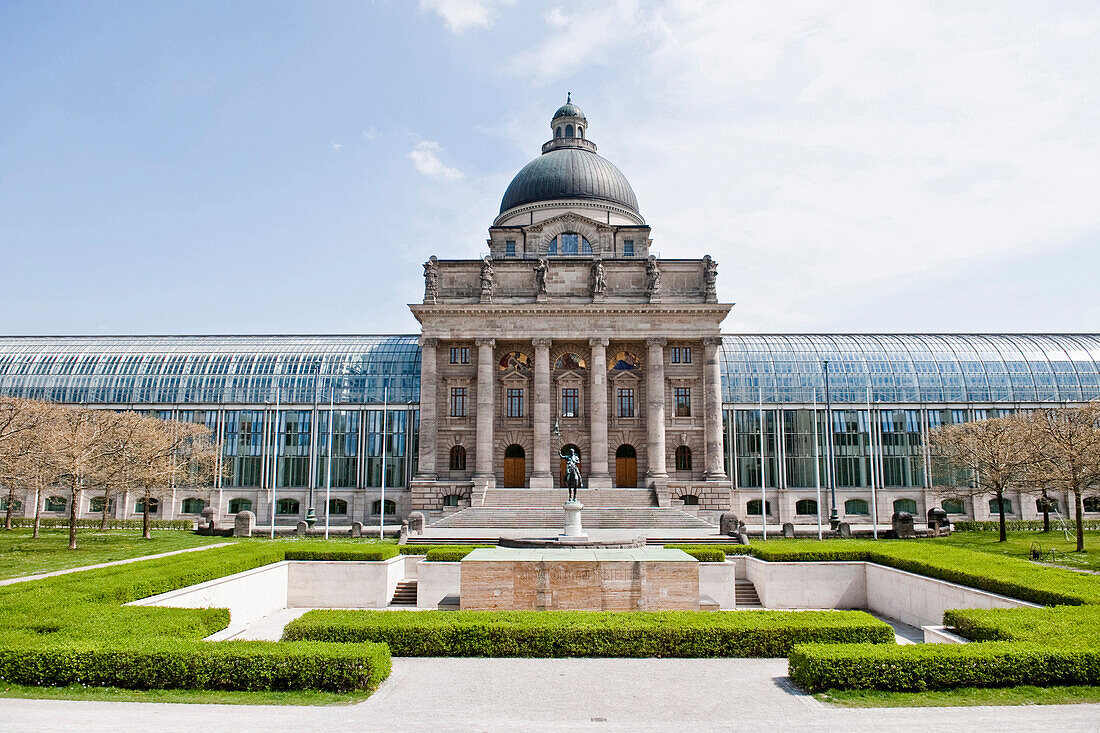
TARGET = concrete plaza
x,y
556,695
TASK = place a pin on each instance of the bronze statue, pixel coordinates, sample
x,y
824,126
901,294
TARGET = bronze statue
x,y
572,477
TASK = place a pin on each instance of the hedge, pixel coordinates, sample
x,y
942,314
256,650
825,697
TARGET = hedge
x,y
424,549
706,554
726,549
589,633
448,554
1015,525
369,553
73,628
917,667
63,523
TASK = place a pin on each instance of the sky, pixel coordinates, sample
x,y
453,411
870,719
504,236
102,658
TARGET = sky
x,y
276,167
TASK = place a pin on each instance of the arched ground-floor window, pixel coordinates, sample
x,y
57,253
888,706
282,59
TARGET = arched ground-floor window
x,y
56,503
805,507
240,505
98,503
337,507
995,506
376,506
690,500
856,507
139,506
905,505
1092,503
753,507
193,505
953,506
287,506
458,458
451,500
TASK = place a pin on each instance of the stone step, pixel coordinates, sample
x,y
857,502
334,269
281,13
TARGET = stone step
x,y
405,594
745,595
556,497
594,518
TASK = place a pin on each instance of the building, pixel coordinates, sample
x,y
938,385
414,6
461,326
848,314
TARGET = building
x,y
571,334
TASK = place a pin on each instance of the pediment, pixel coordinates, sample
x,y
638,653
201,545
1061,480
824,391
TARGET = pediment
x,y
571,376
569,220
513,374
624,375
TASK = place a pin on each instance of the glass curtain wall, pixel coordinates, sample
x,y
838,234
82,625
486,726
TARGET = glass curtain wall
x,y
901,447
345,453
242,447
747,425
851,448
294,442
396,444
798,446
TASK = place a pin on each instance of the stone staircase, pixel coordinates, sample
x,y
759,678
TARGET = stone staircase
x,y
536,517
745,595
554,498
405,595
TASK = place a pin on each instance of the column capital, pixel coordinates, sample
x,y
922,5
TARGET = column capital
x,y
599,341
490,342
656,341
542,341
429,342
712,341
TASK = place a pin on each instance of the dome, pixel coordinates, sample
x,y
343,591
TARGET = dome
x,y
569,110
569,173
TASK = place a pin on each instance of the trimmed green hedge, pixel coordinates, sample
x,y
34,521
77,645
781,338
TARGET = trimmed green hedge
x,y
424,549
369,553
707,554
448,554
233,665
916,667
1013,525
63,523
725,549
73,628
589,633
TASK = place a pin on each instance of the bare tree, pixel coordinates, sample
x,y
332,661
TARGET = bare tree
x,y
19,420
159,458
1067,444
78,439
111,468
989,457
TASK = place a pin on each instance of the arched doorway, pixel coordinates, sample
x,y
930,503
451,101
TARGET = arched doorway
x,y
561,468
626,467
515,466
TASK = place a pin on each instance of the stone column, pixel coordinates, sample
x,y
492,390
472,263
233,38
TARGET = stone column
x,y
428,408
598,476
712,408
541,478
655,408
483,466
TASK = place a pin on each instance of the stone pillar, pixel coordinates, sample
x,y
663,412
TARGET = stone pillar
x,y
598,476
712,408
429,401
655,408
483,466
541,478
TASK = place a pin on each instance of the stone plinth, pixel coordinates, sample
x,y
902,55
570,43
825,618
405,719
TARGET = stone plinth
x,y
643,579
573,528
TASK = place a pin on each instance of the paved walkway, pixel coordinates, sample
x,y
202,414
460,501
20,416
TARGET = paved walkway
x,y
557,695
26,578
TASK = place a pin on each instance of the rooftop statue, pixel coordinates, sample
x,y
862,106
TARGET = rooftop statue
x,y
486,280
710,277
653,276
431,280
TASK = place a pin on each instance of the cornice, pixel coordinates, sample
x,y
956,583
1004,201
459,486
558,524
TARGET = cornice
x,y
544,309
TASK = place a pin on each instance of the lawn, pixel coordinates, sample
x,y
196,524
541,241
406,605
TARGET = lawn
x,y
1025,695
22,555
1019,545
199,697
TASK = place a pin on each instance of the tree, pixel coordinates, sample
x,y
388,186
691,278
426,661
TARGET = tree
x,y
78,441
110,474
19,422
163,454
1067,446
989,457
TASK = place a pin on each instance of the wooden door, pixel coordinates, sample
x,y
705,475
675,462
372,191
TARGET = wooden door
x,y
626,467
514,468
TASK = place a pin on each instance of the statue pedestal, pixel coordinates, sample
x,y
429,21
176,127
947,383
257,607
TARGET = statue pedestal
x,y
573,529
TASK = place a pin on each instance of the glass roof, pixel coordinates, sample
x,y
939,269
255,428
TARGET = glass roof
x,y
363,369
211,369
911,368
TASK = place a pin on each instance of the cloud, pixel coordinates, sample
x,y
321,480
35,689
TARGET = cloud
x,y
462,15
370,133
337,147
425,158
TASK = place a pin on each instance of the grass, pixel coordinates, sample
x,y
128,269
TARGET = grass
x,y
963,697
21,555
197,697
1019,545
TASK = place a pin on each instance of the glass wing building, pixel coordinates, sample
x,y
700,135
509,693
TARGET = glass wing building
x,y
280,406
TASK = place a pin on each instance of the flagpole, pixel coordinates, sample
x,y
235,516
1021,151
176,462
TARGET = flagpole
x,y
763,471
328,467
817,467
871,456
382,503
275,457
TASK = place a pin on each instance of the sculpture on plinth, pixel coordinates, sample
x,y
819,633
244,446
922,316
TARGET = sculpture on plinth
x,y
572,477
653,279
541,270
599,278
431,280
487,273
